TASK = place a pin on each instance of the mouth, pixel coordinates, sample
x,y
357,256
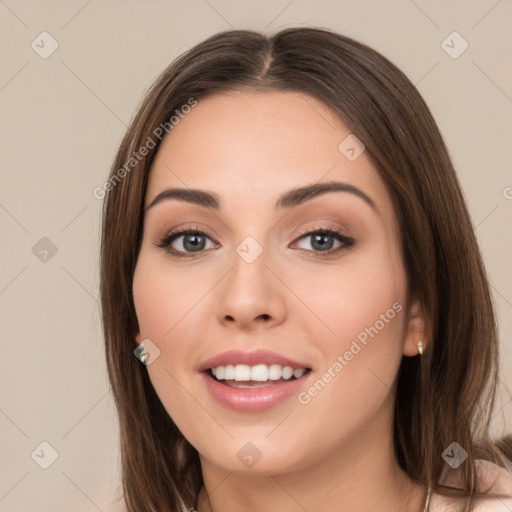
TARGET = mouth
x,y
253,381
243,376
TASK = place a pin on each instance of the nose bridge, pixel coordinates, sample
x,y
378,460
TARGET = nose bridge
x,y
250,292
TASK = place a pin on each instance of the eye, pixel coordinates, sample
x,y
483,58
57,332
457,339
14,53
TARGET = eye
x,y
323,239
192,241
189,242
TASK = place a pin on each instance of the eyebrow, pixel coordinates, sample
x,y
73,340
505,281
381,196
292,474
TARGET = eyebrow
x,y
289,199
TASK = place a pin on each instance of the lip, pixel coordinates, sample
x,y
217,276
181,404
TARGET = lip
x,y
252,399
252,358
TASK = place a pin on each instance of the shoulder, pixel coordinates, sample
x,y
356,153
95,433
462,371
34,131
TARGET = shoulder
x,y
497,480
491,478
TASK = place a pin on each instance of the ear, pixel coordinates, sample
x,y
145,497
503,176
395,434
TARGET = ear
x,y
138,338
415,330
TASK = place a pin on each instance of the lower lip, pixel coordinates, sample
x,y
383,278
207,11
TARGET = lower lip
x,y
256,399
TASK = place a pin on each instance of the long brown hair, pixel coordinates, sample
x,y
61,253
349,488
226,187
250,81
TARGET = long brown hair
x,y
447,395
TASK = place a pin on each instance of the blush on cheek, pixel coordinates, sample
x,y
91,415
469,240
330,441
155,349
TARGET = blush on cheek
x,y
163,297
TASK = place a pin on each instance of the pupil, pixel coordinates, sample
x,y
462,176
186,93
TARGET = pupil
x,y
320,239
194,241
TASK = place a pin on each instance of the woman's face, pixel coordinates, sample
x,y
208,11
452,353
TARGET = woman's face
x,y
262,291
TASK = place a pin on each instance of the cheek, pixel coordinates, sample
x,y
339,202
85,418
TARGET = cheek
x,y
353,309
363,304
169,306
167,299
348,298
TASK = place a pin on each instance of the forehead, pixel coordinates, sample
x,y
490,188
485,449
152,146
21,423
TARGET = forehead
x,y
249,147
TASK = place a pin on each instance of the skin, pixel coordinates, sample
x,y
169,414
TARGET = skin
x,y
334,453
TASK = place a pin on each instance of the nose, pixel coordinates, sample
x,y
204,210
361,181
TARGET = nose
x,y
251,296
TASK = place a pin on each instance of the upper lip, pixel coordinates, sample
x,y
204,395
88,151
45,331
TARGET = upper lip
x,y
252,358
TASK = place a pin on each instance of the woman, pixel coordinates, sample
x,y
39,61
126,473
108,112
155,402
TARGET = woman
x,y
287,251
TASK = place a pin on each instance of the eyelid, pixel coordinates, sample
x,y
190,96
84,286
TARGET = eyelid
x,y
330,229
166,240
324,227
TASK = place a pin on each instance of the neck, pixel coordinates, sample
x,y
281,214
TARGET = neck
x,y
358,475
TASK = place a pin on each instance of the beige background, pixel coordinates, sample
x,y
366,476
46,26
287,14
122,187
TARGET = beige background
x,y
62,119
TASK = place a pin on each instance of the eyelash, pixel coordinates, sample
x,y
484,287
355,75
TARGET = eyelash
x,y
166,241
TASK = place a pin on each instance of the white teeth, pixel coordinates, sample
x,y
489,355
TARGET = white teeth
x,y
242,372
229,373
257,373
287,372
275,372
299,373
